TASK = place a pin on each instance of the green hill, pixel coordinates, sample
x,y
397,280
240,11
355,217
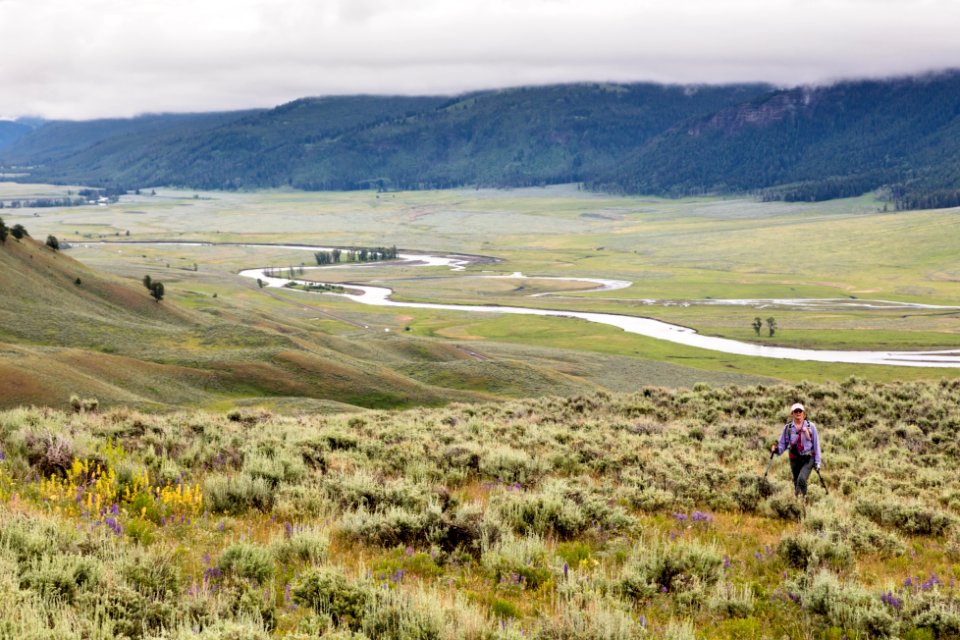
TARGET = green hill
x,y
806,143
10,132
66,328
501,138
815,143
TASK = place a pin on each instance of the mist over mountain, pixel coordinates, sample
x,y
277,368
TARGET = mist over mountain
x,y
807,143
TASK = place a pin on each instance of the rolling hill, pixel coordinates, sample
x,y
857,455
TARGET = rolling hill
x,y
66,329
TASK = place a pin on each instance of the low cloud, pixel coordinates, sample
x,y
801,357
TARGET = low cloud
x,y
96,58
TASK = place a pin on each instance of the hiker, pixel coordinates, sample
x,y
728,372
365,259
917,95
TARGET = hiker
x,y
801,440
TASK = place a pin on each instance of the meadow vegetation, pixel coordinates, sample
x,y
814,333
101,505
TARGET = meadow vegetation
x,y
640,515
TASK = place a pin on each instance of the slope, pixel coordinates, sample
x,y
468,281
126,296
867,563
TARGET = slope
x,y
512,137
812,143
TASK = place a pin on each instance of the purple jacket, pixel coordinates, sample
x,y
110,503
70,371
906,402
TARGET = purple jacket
x,y
807,444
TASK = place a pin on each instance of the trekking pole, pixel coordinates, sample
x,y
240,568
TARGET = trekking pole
x,y
822,482
770,464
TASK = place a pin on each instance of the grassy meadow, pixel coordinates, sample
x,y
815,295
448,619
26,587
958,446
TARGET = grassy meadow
x,y
599,516
224,342
242,463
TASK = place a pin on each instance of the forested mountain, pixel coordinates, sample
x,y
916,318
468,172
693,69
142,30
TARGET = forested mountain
x,y
806,143
814,144
11,131
496,138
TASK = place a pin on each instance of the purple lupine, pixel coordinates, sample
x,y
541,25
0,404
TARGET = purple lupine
x,y
566,571
726,562
287,530
891,601
643,621
680,516
212,574
2,456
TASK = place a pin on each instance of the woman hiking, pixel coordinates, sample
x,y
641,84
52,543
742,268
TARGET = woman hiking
x,y
801,440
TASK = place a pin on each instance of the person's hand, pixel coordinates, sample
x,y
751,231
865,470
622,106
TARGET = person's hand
x,y
773,447
818,468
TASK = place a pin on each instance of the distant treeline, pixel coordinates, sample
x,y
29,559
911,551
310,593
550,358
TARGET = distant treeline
x,y
83,197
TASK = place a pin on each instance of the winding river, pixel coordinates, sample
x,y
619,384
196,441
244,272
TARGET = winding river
x,y
380,296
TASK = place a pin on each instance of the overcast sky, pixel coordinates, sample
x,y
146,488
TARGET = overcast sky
x,y
83,59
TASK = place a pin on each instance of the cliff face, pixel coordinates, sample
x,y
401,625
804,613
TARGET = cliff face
x,y
773,109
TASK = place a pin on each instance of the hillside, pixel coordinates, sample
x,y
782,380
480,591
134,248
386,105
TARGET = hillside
x,y
497,138
66,329
807,143
10,132
813,144
598,517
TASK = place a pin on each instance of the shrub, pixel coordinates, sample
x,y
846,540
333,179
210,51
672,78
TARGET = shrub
x,y
782,506
731,601
519,563
548,513
804,550
235,494
594,620
153,576
328,592
302,544
909,518
274,470
220,630
393,615
394,526
248,561
846,606
50,454
863,536
59,576
670,567
507,464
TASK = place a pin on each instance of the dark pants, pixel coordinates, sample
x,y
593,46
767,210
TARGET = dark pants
x,y
801,466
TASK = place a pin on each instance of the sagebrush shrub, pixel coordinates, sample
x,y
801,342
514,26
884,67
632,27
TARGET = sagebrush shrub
x,y
248,561
328,592
670,567
236,493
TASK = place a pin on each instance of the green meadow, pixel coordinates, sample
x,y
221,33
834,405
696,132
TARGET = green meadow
x,y
678,253
243,463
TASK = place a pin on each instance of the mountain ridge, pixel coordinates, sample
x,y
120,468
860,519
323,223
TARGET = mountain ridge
x,y
799,143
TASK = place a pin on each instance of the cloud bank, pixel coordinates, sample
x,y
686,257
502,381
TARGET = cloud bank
x,y
98,58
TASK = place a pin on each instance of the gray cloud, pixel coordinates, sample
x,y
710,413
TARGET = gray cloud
x,y
94,58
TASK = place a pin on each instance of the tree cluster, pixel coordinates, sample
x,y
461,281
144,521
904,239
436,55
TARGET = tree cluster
x,y
361,254
757,324
155,287
40,203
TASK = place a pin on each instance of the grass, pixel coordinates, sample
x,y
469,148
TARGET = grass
x,y
227,333
595,516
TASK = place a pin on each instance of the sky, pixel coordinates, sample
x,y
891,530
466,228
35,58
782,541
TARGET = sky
x,y
83,59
